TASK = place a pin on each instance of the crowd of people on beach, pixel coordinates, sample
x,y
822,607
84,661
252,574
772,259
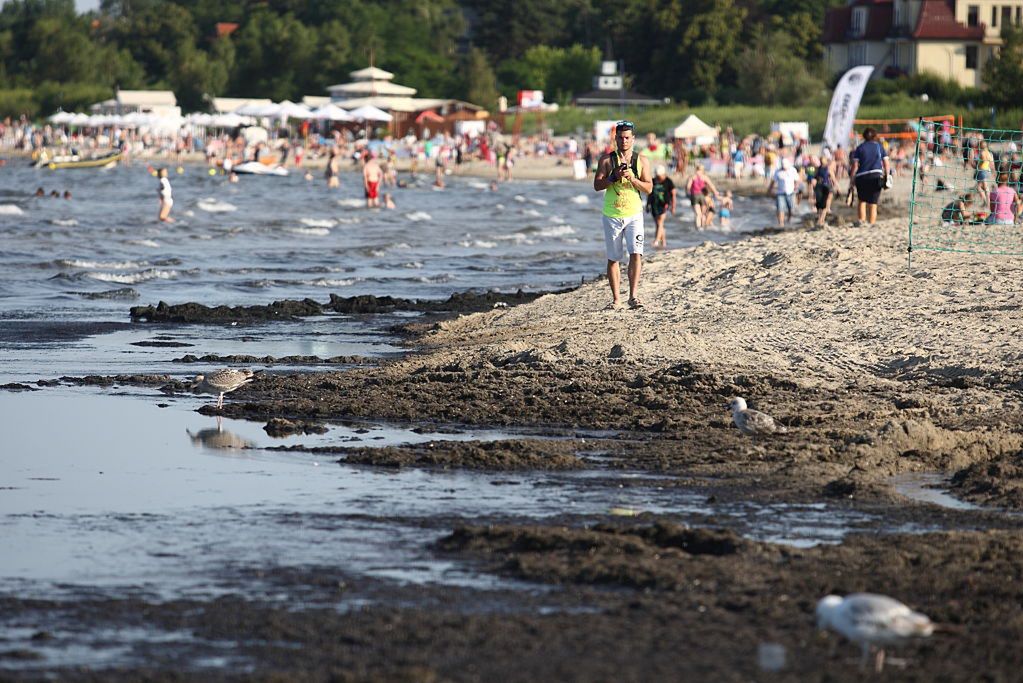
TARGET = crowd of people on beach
x,y
793,171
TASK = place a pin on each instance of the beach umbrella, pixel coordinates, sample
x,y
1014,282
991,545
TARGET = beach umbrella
x,y
370,113
61,117
79,119
331,112
291,110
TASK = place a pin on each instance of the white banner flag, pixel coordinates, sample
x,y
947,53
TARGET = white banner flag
x,y
844,104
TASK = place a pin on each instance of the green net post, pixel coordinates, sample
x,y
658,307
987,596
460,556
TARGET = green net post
x,y
912,191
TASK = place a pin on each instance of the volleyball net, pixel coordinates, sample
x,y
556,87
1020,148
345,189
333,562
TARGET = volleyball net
x,y
966,190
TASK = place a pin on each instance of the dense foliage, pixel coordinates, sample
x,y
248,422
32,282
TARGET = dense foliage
x,y
702,52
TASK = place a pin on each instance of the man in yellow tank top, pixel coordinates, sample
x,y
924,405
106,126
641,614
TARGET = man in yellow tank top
x,y
622,176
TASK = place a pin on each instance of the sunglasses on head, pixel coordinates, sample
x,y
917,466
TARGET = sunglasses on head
x,y
625,125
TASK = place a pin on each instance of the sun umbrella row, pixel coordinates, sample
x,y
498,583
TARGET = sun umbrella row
x,y
242,116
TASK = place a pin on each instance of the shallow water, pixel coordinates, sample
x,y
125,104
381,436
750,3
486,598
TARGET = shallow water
x,y
129,497
64,264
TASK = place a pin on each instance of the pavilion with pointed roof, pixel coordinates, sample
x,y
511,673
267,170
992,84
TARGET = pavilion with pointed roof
x,y
375,87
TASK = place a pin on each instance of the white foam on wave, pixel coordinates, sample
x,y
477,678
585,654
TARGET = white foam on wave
x,y
64,222
477,244
539,202
133,278
318,222
556,231
557,220
352,203
109,265
417,216
517,237
402,245
349,221
519,198
532,213
413,265
145,243
477,185
331,282
580,199
212,205
318,232
10,210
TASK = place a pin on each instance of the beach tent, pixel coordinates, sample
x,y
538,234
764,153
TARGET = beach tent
x,y
370,113
693,127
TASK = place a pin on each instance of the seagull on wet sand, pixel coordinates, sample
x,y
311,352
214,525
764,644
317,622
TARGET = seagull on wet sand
x,y
872,621
752,422
222,382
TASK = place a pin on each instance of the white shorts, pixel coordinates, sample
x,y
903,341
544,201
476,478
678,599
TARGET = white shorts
x,y
167,201
621,235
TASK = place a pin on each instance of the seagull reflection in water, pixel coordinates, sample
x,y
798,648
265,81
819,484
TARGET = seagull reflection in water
x,y
218,438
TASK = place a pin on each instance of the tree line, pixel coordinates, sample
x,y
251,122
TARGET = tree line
x,y
696,51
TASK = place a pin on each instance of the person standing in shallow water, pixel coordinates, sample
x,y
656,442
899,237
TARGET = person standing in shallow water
x,y
623,176
166,197
660,202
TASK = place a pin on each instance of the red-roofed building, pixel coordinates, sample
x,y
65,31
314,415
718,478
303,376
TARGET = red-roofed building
x,y
952,38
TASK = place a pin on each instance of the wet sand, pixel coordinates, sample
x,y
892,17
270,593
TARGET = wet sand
x,y
875,369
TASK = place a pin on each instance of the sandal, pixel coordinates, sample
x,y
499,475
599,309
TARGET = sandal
x,y
635,304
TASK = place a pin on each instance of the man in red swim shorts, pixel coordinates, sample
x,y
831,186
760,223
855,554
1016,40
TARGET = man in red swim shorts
x,y
371,175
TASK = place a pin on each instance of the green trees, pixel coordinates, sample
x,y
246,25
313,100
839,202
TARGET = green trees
x,y
1003,73
753,51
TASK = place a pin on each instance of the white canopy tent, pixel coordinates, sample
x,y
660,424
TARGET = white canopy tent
x,y
693,127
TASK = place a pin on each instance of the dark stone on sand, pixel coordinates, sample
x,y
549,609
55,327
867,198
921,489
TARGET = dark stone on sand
x,y
21,655
16,386
160,344
272,360
279,427
515,454
997,482
121,293
840,488
647,557
461,302
198,313
111,380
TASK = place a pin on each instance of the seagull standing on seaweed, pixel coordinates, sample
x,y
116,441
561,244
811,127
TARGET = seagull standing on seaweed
x,y
222,382
752,422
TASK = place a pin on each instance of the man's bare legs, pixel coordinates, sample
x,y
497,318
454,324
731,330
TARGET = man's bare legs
x,y
635,269
614,278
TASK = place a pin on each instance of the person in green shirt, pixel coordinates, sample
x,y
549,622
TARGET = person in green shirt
x,y
623,175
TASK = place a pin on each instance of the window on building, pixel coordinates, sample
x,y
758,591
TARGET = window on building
x,y
1007,16
1019,16
994,17
859,21
971,56
897,14
973,15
